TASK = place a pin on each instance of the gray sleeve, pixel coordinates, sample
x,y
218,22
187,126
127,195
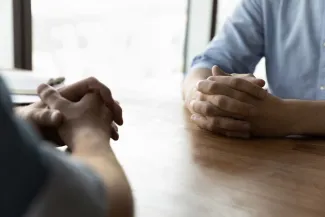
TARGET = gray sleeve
x,y
72,190
24,170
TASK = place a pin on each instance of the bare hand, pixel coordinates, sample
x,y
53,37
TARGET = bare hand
x,y
89,113
76,91
224,102
272,119
48,120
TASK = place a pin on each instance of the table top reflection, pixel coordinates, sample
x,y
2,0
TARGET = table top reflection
x,y
178,170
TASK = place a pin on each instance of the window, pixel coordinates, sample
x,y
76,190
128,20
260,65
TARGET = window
x,y
108,38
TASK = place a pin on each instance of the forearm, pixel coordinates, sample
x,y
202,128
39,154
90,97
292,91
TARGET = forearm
x,y
191,80
94,149
308,116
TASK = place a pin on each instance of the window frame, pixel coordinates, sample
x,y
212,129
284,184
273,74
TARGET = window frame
x,y
214,20
22,27
199,13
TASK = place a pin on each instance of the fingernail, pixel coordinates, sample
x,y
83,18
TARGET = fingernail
x,y
195,117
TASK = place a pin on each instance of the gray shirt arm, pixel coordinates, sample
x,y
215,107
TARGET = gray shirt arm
x,y
39,181
71,190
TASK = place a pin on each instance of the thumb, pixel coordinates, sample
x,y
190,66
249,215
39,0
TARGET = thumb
x,y
46,117
51,97
217,71
91,96
251,78
91,99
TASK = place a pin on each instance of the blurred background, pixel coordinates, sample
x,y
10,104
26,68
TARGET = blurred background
x,y
115,41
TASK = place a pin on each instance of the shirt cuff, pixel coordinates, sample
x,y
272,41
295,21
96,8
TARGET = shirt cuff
x,y
203,64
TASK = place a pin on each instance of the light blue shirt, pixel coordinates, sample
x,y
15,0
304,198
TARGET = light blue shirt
x,y
290,34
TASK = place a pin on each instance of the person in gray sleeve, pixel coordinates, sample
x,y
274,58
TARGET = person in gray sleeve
x,y
38,180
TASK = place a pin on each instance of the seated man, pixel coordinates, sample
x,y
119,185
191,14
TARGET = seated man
x,y
289,34
38,180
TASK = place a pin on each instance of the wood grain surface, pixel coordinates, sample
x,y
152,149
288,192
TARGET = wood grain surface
x,y
178,170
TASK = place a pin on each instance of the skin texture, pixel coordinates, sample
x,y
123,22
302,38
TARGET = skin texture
x,y
264,122
237,109
223,101
85,130
48,120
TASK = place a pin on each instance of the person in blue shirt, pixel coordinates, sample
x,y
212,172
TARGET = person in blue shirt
x,y
38,180
223,95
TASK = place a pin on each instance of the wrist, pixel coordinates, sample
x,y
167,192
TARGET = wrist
x,y
84,136
189,85
91,132
290,113
307,117
89,140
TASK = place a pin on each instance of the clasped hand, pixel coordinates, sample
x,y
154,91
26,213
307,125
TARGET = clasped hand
x,y
238,106
81,102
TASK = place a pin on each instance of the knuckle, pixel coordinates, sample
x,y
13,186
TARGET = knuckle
x,y
200,96
223,123
192,106
240,96
209,110
44,115
213,87
92,80
204,109
211,78
34,116
39,116
195,106
209,86
48,92
221,101
236,125
229,124
235,82
212,124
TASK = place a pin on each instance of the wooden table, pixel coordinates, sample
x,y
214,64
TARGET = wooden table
x,y
178,170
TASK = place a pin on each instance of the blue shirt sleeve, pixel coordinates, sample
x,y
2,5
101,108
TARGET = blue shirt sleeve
x,y
23,170
240,44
